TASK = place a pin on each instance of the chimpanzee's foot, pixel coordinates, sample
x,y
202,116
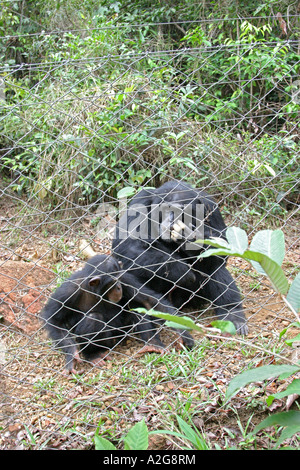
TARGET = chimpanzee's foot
x,y
68,371
100,360
77,357
151,348
241,327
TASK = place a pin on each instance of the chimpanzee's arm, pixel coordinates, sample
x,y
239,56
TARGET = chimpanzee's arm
x,y
59,318
136,294
223,292
149,260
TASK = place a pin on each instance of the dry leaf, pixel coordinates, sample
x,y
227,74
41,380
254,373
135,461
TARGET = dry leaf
x,y
282,23
86,251
290,400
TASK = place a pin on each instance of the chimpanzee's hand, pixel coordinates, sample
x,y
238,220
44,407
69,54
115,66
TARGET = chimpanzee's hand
x,y
180,232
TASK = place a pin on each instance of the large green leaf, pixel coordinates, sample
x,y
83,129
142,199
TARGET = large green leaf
x,y
103,444
257,375
271,244
292,388
293,296
137,437
214,241
271,268
290,420
186,323
237,239
224,326
126,192
218,252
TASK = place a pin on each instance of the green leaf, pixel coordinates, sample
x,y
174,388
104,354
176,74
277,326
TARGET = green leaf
x,y
186,323
185,161
224,326
257,375
270,169
270,243
290,420
292,388
103,444
218,252
214,241
290,341
137,437
293,296
271,268
125,192
266,256
192,435
173,321
237,239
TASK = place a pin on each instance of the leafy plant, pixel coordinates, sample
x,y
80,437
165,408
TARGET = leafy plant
x,y
266,254
135,439
188,433
111,122
289,420
186,323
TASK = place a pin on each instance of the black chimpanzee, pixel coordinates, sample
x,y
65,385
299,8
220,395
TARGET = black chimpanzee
x,y
155,238
89,312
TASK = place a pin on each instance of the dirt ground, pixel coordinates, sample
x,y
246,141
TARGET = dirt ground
x,y
42,408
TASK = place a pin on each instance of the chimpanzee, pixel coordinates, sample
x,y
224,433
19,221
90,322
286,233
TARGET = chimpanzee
x,y
155,239
90,312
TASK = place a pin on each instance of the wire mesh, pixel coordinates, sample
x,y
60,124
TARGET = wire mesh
x,y
104,124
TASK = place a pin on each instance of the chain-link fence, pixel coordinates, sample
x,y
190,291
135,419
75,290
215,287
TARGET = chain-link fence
x,y
80,138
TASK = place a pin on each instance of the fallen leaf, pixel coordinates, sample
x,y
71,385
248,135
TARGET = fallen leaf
x,y
290,400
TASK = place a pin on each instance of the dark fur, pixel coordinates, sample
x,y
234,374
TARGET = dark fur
x,y
170,267
89,312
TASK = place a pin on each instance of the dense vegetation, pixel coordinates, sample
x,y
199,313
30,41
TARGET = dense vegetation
x,y
102,95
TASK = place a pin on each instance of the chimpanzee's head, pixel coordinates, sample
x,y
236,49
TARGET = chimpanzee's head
x,y
190,207
103,277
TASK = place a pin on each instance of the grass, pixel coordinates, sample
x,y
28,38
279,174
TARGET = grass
x,y
188,384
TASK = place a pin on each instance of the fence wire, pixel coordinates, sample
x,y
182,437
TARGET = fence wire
x,y
80,137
